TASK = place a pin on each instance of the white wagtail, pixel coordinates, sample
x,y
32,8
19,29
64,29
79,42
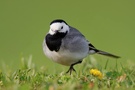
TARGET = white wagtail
x,y
65,45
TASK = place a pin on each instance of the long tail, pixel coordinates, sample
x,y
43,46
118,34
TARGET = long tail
x,y
107,54
93,50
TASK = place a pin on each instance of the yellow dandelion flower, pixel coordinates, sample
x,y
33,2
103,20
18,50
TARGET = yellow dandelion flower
x,y
96,73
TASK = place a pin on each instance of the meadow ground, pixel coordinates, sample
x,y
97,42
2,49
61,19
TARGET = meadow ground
x,y
89,76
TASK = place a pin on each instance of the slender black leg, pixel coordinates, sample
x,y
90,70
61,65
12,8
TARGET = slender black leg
x,y
72,68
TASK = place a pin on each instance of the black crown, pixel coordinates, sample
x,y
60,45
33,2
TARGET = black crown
x,y
58,20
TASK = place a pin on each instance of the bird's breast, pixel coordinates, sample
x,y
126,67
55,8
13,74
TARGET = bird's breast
x,y
64,57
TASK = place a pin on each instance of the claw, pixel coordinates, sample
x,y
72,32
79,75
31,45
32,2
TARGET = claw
x,y
71,69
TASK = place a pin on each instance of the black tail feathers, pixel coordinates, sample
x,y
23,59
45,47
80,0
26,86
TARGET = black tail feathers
x,y
107,54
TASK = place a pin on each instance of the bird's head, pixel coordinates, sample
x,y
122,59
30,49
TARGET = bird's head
x,y
58,26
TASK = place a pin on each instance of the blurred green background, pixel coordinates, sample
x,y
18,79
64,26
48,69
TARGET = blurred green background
x,y
109,25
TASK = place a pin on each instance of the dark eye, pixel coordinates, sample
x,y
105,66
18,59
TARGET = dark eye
x,y
62,27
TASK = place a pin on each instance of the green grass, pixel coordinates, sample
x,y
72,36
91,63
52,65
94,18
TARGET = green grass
x,y
28,77
108,25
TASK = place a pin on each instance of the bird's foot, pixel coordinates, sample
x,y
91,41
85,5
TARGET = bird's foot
x,y
71,69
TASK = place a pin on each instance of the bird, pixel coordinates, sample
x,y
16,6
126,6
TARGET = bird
x,y
66,45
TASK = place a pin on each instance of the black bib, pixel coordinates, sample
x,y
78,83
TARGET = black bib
x,y
53,42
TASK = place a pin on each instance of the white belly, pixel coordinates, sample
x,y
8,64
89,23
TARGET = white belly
x,y
65,57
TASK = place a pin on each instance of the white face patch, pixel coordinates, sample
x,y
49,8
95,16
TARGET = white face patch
x,y
58,27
